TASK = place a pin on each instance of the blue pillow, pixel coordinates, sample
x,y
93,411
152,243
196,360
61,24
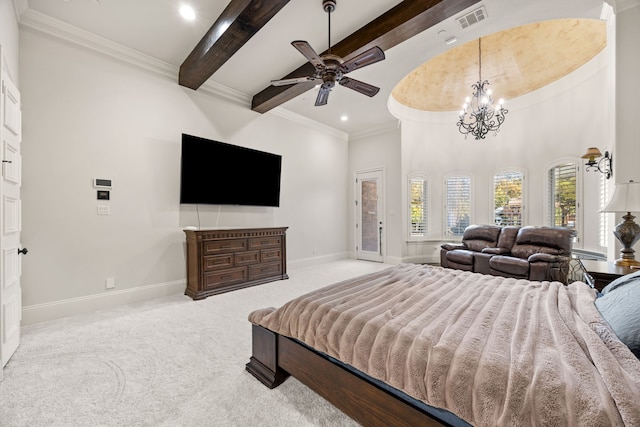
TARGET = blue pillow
x,y
621,281
620,307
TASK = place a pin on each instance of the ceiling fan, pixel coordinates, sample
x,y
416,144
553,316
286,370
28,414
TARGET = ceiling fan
x,y
331,69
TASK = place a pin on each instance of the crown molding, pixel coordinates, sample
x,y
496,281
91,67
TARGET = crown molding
x,y
42,23
218,90
386,127
305,121
622,5
53,27
45,24
19,7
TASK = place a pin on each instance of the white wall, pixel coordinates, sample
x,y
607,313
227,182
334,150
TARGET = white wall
x,y
89,116
9,39
627,91
379,151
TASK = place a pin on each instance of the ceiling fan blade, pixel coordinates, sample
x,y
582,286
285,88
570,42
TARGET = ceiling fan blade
x,y
291,81
358,86
308,52
368,57
323,95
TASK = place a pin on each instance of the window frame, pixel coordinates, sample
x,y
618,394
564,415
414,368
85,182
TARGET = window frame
x,y
523,207
604,218
426,206
579,218
445,214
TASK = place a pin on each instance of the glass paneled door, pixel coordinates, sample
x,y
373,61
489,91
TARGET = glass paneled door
x,y
369,216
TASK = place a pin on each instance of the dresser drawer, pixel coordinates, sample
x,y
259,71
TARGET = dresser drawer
x,y
225,246
265,242
217,262
271,255
225,277
248,257
264,270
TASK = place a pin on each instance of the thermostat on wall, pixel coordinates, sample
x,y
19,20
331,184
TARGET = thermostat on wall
x,y
101,183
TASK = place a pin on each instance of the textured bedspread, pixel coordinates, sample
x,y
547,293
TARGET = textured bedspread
x,y
492,350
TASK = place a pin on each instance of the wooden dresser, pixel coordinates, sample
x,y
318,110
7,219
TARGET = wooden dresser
x,y
228,259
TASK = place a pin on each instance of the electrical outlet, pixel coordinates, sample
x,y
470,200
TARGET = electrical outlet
x,y
110,282
103,210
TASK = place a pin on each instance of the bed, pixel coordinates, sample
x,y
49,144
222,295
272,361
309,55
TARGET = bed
x,y
425,345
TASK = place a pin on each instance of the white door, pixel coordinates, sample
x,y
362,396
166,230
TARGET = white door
x,y
369,209
10,214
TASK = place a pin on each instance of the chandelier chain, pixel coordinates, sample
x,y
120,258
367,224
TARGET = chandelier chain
x,y
479,59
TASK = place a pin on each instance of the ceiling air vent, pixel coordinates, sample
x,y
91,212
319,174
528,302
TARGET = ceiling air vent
x,y
474,17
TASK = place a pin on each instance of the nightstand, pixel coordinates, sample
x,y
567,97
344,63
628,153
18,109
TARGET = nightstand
x,y
604,272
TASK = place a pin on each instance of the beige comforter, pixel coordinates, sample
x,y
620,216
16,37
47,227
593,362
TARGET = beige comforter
x,y
494,351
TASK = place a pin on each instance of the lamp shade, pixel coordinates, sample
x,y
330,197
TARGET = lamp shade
x,y
626,198
592,153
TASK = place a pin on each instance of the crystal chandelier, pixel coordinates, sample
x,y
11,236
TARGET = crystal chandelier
x,y
478,115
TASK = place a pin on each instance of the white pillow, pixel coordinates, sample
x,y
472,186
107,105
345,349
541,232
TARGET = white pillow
x,y
620,307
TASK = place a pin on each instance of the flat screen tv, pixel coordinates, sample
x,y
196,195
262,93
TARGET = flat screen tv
x,y
217,173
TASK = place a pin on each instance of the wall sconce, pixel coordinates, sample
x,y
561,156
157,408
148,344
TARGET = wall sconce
x,y
604,165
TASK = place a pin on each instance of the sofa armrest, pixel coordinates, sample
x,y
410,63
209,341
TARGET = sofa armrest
x,y
543,258
495,251
452,246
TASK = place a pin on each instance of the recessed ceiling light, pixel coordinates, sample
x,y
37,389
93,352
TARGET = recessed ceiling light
x,y
344,118
187,12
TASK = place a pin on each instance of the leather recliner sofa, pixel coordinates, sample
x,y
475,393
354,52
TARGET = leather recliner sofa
x,y
531,252
461,256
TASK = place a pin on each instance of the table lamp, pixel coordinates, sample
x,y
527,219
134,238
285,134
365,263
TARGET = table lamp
x,y
626,199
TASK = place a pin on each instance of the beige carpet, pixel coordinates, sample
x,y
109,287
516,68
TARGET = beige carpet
x,y
167,362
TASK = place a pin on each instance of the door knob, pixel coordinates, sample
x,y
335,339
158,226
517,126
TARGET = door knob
x,y
23,251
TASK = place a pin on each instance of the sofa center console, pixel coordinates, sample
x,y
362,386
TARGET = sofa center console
x,y
223,260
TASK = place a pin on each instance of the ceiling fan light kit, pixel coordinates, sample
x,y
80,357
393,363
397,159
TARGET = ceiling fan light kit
x,y
331,69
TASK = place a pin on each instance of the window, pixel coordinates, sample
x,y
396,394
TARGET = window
x,y
418,206
563,195
458,204
507,198
604,217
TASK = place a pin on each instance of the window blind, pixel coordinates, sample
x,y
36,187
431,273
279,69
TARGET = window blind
x,y
507,198
418,207
458,204
563,195
604,217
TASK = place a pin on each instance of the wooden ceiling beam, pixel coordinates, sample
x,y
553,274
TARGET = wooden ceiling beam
x,y
239,21
405,20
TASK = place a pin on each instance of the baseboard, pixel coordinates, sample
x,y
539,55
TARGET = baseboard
x,y
317,260
422,259
309,262
58,309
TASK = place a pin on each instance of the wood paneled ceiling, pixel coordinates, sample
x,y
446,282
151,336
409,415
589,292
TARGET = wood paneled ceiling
x,y
515,62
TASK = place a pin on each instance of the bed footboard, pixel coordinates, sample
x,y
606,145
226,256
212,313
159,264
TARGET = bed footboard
x,y
275,357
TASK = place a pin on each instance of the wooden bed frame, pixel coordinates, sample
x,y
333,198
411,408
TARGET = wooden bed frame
x,y
275,357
